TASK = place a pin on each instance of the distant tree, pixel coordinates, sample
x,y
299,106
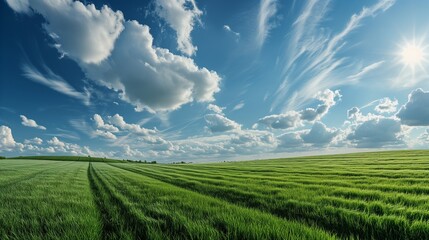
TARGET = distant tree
x,y
2,157
153,162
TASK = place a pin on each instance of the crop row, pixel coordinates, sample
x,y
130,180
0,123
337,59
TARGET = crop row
x,y
145,208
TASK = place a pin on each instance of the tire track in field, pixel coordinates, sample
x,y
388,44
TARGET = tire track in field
x,y
26,177
111,208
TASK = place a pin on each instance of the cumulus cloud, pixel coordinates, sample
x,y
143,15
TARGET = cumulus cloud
x,y
424,137
386,105
351,113
80,31
119,121
37,146
6,138
215,108
36,140
121,56
319,135
287,120
55,145
252,141
56,142
267,10
291,140
219,123
377,132
31,123
328,99
416,111
181,16
292,119
100,124
152,78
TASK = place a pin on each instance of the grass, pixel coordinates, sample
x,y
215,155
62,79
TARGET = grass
x,y
46,200
68,158
381,195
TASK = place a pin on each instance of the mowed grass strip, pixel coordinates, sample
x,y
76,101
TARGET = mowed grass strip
x,y
151,209
55,203
360,201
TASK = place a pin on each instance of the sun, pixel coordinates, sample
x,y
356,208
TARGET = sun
x,y
412,54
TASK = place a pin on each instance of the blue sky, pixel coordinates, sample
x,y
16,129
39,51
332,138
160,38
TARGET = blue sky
x,y
173,80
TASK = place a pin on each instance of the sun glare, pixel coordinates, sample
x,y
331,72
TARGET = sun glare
x,y
412,54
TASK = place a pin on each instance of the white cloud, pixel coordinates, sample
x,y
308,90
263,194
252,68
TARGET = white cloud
x,y
267,10
424,137
6,138
291,141
129,152
252,142
80,31
100,124
219,123
181,16
56,142
152,78
215,108
328,99
119,121
239,106
228,29
320,135
416,111
313,61
21,6
121,56
351,113
292,119
37,146
386,105
31,123
377,132
55,82
36,140
364,71
105,134
287,120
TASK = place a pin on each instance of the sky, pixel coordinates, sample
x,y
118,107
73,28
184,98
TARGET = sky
x,y
192,80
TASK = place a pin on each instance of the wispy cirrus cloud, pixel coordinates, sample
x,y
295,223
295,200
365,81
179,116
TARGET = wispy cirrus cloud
x,y
364,71
267,10
313,62
229,29
55,82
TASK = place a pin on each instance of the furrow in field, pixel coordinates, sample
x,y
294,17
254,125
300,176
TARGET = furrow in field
x,y
279,188
306,181
343,222
118,222
183,214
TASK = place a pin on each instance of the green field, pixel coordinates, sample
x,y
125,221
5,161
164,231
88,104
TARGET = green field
x,y
355,196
